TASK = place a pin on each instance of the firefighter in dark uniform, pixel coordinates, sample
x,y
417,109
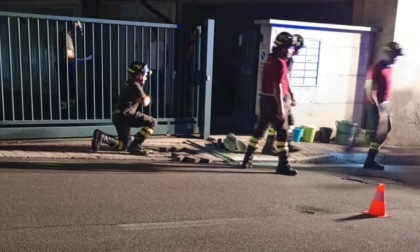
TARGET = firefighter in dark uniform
x,y
126,115
269,148
378,95
274,104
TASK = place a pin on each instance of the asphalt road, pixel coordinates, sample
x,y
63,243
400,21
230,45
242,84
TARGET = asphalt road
x,y
90,206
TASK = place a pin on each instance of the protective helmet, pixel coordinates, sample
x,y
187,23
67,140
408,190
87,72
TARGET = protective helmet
x,y
230,142
298,41
137,67
75,26
393,47
284,39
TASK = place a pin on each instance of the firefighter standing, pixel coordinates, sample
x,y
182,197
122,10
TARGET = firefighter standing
x,y
378,96
274,104
68,62
126,115
269,149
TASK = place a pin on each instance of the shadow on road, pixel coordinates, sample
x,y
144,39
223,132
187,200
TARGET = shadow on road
x,y
48,148
355,217
126,166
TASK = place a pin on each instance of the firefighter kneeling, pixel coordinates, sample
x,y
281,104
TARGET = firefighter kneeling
x,y
126,115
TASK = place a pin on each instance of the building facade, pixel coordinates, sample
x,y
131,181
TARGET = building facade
x,y
392,20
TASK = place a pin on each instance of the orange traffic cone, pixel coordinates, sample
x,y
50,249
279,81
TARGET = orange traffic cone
x,y
377,208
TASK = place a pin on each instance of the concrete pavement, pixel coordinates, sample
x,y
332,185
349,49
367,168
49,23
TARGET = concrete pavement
x,y
199,150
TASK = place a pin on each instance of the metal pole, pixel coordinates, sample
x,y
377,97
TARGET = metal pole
x,y
165,55
94,74
102,70
2,85
85,78
118,59
110,71
57,34
208,80
67,75
20,67
157,61
40,70
126,51
76,73
150,58
134,43
11,69
49,67
142,44
30,69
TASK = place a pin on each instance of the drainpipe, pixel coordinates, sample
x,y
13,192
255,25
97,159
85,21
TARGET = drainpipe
x,y
156,12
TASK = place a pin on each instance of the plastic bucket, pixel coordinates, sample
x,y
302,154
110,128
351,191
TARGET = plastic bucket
x,y
297,134
345,132
363,137
308,134
325,134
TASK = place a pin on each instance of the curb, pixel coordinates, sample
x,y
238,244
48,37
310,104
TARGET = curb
x,y
215,157
197,151
359,158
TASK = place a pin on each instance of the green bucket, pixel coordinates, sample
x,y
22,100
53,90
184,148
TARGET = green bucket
x,y
345,132
308,134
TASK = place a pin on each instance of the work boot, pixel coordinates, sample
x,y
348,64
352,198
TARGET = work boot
x,y
247,162
100,137
370,163
139,151
283,166
373,166
269,148
135,147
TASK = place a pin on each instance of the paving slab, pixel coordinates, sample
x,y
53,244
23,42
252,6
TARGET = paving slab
x,y
201,150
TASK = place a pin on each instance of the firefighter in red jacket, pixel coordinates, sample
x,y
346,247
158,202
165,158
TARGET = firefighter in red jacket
x,y
269,148
378,96
274,104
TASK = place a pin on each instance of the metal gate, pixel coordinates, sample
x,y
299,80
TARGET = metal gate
x,y
44,94
246,84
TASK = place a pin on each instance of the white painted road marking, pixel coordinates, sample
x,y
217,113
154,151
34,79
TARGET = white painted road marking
x,y
184,224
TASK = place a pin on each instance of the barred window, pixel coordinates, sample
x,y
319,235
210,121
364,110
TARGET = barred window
x,y
306,65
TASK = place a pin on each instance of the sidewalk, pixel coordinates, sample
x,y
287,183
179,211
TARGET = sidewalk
x,y
199,150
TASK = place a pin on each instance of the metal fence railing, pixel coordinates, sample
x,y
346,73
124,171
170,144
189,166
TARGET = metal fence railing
x,y
41,86
245,87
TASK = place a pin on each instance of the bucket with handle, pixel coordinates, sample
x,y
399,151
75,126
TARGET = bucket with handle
x,y
308,134
345,132
325,134
297,134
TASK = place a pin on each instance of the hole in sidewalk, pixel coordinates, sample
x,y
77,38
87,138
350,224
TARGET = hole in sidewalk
x,y
312,210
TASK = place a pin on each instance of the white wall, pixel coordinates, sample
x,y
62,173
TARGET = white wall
x,y
338,95
406,77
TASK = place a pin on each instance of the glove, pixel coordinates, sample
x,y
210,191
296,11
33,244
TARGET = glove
x,y
82,61
146,101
